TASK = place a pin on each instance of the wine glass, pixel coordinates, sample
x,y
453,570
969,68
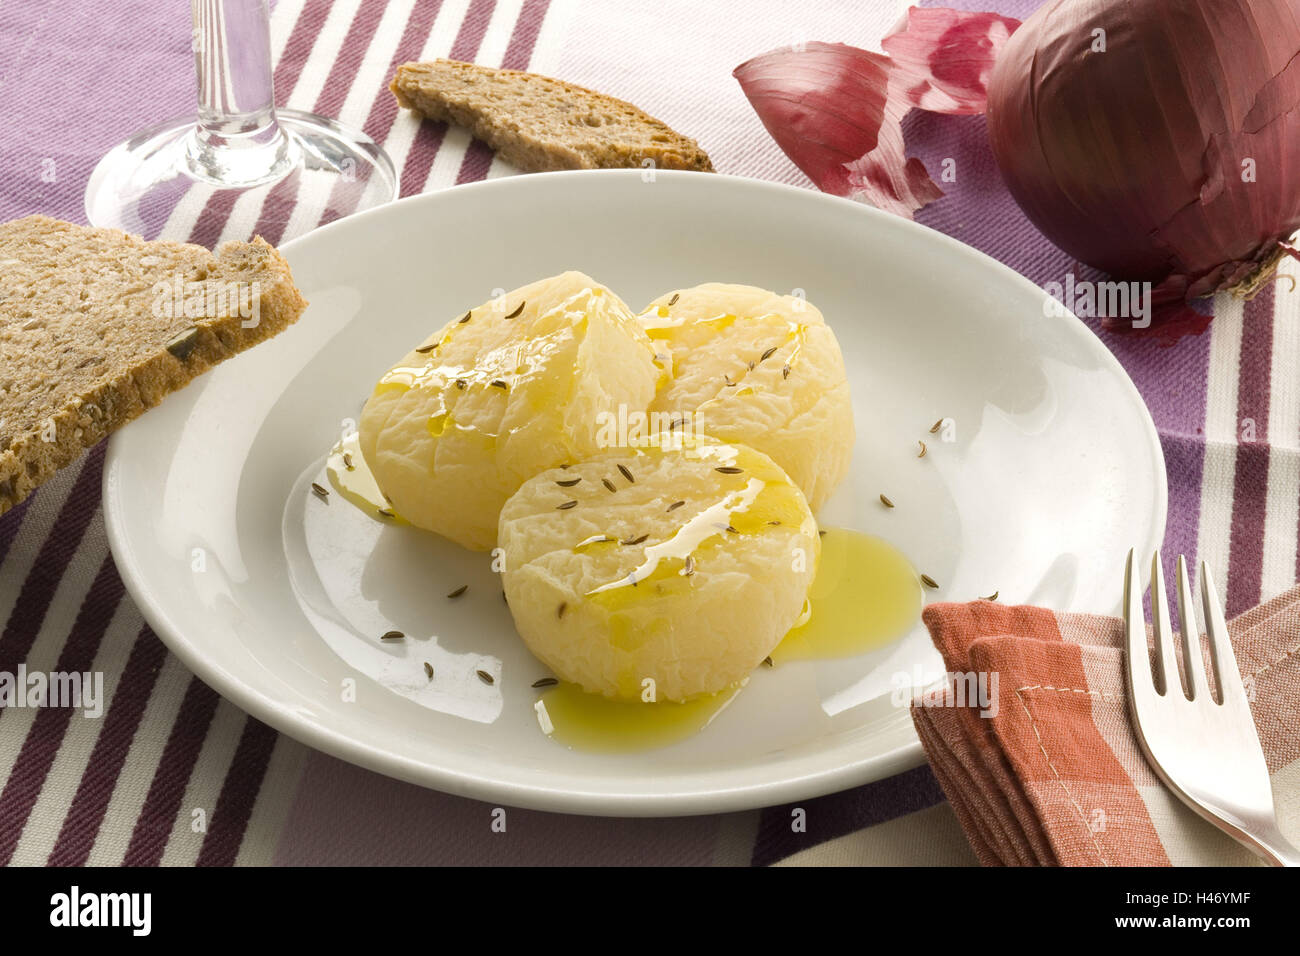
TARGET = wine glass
x,y
242,165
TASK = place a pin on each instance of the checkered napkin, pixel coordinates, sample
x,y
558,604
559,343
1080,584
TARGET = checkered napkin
x,y
1032,743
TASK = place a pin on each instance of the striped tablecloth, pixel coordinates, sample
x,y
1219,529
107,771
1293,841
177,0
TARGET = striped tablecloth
x,y
173,774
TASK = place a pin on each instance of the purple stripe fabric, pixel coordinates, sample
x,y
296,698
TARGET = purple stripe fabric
x,y
429,139
48,173
85,816
298,49
1250,490
475,165
216,210
149,838
38,590
524,37
384,110
235,805
280,205
11,520
825,818
478,158
47,731
472,30
358,38
382,114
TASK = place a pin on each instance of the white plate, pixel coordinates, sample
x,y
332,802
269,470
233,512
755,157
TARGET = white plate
x,y
1055,471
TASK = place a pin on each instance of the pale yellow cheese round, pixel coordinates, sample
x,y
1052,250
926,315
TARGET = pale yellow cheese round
x,y
762,369
517,385
676,583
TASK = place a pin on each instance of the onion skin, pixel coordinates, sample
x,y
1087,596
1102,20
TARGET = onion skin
x,y
944,57
836,111
1131,160
823,103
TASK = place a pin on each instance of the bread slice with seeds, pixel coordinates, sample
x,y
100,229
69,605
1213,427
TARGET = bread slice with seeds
x,y
96,326
538,123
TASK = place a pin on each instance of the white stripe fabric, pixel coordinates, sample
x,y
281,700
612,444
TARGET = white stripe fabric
x,y
53,634
141,764
550,39
445,26
622,49
1214,535
37,524
204,786
361,96
1282,519
74,756
446,165
274,802
51,638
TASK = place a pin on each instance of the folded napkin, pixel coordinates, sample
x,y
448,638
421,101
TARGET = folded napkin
x,y
1032,743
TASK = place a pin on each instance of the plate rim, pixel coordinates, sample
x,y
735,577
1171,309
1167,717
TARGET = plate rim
x,y
311,732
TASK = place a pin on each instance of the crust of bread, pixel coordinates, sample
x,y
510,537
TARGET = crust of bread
x,y
178,350
538,123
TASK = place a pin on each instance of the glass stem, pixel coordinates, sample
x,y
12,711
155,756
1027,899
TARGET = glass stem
x,y
237,141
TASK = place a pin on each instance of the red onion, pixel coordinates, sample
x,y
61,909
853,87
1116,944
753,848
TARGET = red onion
x,y
1156,140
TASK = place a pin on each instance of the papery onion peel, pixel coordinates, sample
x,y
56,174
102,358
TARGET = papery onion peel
x,y
837,110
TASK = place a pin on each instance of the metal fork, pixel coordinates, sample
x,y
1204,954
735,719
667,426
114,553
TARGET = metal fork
x,y
1206,751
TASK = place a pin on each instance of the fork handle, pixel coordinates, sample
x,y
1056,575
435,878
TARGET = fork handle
x,y
1282,856
1276,849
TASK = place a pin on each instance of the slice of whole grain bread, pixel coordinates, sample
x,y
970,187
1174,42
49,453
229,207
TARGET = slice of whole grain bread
x,y
96,326
538,123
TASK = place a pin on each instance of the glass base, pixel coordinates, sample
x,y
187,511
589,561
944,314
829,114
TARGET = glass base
x,y
166,183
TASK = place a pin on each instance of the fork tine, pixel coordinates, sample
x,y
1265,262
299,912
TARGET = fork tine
x,y
1222,657
1140,681
1193,661
1166,662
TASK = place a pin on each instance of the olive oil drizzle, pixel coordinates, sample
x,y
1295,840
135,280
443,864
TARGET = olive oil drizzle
x,y
351,477
865,596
